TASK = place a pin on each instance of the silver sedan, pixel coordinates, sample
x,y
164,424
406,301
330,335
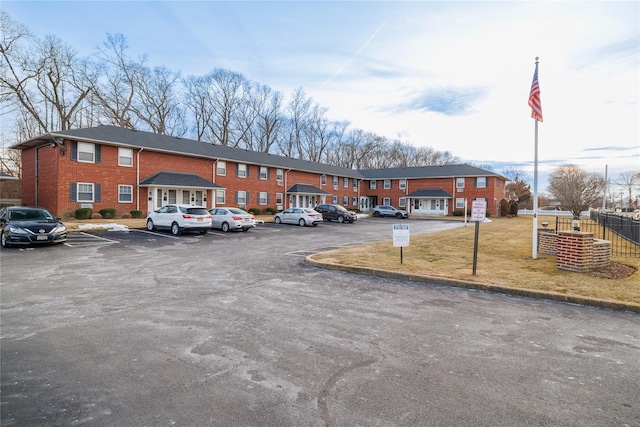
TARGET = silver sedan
x,y
300,216
231,219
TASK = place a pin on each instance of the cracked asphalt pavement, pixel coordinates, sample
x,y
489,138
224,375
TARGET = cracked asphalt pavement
x,y
144,329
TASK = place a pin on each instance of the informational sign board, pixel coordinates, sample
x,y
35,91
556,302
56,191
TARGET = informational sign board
x,y
478,210
400,235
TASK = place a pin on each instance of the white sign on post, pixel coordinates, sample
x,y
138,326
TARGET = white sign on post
x,y
400,235
478,210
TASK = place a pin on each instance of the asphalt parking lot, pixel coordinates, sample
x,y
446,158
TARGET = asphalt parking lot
x,y
234,329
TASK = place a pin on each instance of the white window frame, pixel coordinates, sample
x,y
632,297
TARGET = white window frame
x,y
355,184
221,197
242,170
323,180
345,200
386,184
279,199
345,182
242,197
402,202
334,200
373,185
262,198
264,172
402,184
459,203
484,182
335,182
125,157
386,201
280,177
86,148
221,169
459,182
121,193
354,201
92,192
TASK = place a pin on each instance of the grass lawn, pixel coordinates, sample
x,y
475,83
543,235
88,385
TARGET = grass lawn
x,y
504,259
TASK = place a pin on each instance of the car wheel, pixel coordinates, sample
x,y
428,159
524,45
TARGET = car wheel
x,y
340,219
225,227
277,220
398,215
150,225
204,232
302,222
376,213
315,224
175,229
245,229
5,242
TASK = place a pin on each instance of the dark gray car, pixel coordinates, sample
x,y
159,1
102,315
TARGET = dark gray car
x,y
338,213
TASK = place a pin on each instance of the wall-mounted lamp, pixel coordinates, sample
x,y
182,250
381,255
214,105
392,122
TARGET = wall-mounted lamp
x,y
61,143
575,223
205,199
544,224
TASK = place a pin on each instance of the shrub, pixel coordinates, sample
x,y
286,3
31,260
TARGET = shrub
x,y
136,214
84,213
255,211
96,216
108,213
126,215
272,211
458,213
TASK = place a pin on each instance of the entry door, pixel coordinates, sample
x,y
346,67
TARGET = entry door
x,y
199,198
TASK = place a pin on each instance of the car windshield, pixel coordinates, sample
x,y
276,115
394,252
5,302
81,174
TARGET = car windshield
x,y
237,211
341,208
197,211
29,215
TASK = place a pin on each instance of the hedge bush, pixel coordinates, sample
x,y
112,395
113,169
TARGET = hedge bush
x,y
83,213
108,213
255,211
136,214
96,216
457,213
126,215
272,211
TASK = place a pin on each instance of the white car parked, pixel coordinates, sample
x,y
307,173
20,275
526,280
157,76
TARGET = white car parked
x,y
231,219
179,218
300,216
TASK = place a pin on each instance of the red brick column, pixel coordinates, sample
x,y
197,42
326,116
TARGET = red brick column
x,y
574,251
547,241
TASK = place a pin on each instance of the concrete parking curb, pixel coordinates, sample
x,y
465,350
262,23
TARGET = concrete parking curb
x,y
572,299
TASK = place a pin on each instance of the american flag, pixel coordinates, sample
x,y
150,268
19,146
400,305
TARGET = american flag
x,y
534,98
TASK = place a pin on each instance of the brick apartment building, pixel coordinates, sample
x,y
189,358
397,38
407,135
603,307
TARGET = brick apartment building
x,y
113,167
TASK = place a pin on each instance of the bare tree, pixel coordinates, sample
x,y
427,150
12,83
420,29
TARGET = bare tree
x,y
295,122
116,74
517,188
629,181
156,103
574,188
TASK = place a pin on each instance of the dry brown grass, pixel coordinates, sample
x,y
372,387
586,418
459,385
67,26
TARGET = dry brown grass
x,y
504,259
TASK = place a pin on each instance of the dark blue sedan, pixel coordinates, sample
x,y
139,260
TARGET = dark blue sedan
x,y
21,225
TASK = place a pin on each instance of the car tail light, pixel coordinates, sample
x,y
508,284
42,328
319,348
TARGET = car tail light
x,y
186,216
237,218
253,218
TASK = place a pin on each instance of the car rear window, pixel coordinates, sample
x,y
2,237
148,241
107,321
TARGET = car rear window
x,y
197,211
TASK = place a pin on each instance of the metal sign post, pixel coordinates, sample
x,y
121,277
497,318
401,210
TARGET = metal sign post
x,y
400,237
478,213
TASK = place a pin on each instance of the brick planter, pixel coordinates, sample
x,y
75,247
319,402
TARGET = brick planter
x,y
574,251
547,242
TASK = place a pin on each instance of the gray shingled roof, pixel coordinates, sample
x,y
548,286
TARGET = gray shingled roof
x,y
178,179
114,135
431,193
305,189
444,171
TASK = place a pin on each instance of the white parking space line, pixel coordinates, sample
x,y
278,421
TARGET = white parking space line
x,y
153,233
87,239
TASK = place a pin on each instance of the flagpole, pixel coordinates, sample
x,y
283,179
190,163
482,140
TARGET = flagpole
x,y
536,113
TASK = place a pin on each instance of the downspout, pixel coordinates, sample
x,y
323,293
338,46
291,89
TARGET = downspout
x,y
286,198
214,191
138,181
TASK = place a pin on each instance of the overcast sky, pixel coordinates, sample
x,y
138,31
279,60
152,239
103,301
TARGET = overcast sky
x,y
451,75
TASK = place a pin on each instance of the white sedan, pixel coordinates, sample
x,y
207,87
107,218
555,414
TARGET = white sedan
x,y
300,216
231,219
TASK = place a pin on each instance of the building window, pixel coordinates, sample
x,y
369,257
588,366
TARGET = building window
x,y
86,152
125,193
85,192
263,198
402,202
242,170
242,197
221,196
459,203
345,182
125,156
373,185
323,180
345,200
222,167
386,201
334,199
335,181
402,184
481,182
280,177
264,172
387,184
279,199
355,184
354,201
459,183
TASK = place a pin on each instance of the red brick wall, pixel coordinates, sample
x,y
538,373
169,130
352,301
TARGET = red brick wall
x,y
601,253
574,251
